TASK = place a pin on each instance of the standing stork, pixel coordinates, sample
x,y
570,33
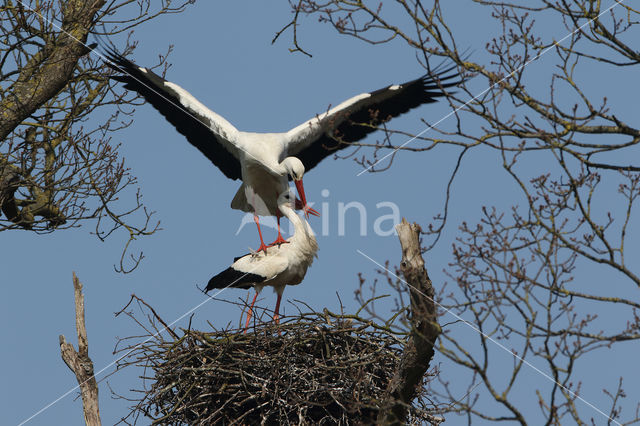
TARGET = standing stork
x,y
278,267
263,160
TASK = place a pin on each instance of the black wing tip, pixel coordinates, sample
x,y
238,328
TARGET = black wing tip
x,y
117,62
441,75
233,278
431,85
435,79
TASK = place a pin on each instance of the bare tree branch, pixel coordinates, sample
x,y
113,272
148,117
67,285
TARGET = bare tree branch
x,y
59,166
46,73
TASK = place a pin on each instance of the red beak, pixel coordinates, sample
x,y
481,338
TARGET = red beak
x,y
307,210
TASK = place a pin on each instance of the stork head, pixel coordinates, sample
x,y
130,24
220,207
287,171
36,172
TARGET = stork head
x,y
294,168
287,198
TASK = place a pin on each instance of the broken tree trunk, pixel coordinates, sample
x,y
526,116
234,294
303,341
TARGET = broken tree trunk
x,y
418,350
80,363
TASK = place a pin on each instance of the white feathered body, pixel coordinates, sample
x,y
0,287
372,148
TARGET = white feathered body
x,y
262,179
284,265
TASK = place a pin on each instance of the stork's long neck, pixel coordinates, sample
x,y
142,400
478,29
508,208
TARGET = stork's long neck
x,y
303,235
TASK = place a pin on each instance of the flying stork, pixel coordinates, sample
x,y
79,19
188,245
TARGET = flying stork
x,y
263,160
278,266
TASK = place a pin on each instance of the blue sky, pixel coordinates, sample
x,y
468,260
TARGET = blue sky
x,y
223,55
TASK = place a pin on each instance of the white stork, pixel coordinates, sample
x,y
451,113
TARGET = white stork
x,y
278,266
263,160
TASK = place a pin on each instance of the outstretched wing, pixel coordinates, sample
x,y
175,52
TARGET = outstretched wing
x,y
355,118
214,136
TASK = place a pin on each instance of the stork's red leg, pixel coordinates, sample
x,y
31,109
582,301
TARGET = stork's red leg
x,y
262,246
250,313
278,240
276,316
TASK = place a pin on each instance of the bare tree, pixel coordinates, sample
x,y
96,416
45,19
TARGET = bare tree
x,y
58,164
518,276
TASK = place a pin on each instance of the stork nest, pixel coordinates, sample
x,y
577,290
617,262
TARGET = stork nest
x,y
318,368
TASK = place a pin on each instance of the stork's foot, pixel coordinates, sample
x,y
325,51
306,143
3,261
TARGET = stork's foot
x,y
262,248
276,320
278,241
